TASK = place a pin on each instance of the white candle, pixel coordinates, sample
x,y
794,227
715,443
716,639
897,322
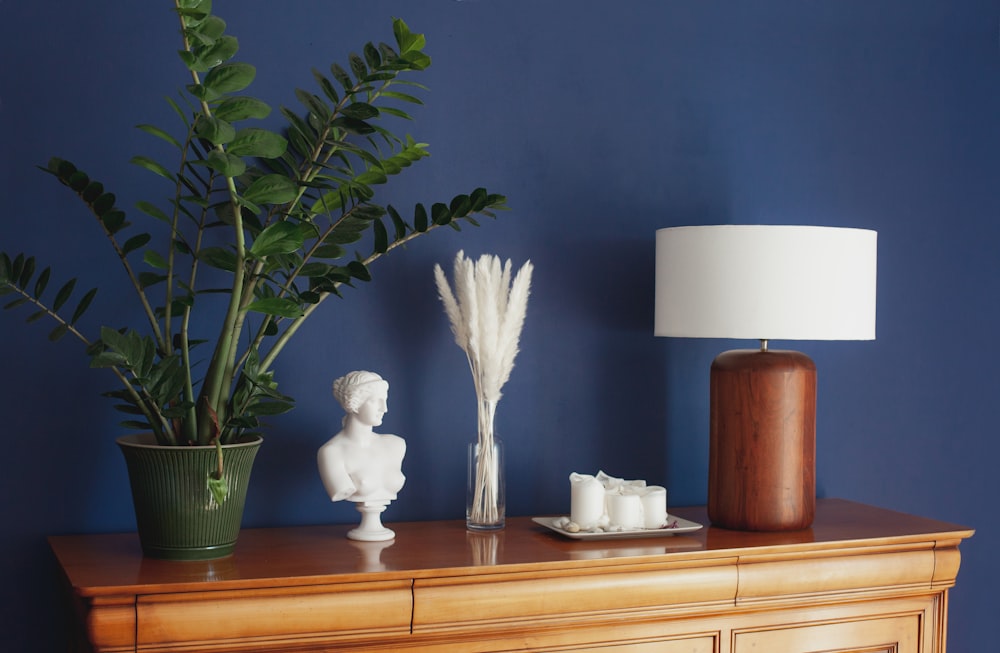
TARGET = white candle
x,y
654,506
586,506
624,510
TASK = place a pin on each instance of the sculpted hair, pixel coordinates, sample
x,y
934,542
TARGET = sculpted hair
x,y
355,388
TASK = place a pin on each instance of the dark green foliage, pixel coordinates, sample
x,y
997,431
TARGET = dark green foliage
x,y
299,207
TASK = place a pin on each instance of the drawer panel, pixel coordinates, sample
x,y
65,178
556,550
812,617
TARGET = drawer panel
x,y
900,634
456,603
347,612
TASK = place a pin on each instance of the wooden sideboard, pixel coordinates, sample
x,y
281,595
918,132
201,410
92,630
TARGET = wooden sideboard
x,y
861,579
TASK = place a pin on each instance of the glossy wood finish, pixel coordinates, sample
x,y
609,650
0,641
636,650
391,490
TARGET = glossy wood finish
x,y
860,575
762,441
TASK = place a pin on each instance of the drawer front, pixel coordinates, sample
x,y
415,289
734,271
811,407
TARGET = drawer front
x,y
236,620
900,634
461,604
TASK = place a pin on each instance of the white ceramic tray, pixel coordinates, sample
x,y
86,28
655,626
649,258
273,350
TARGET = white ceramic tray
x,y
675,526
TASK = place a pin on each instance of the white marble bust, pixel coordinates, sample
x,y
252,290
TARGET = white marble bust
x,y
358,464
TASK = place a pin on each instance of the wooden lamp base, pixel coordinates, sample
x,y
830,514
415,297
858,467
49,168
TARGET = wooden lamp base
x,y
762,446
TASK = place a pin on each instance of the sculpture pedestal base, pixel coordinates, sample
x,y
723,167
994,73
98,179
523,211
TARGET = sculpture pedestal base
x,y
371,528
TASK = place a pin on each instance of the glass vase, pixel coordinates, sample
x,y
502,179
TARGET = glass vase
x,y
485,497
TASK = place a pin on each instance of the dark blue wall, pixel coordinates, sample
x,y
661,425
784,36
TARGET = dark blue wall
x,y
602,121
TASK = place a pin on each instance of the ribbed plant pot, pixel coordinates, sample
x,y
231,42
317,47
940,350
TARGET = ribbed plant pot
x,y
176,515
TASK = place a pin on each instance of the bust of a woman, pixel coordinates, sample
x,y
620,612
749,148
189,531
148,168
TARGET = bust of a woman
x,y
358,464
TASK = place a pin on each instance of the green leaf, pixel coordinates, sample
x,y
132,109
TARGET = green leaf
x,y
93,190
152,166
420,218
406,40
104,203
460,205
392,111
154,259
315,269
328,90
327,203
381,237
219,487
58,332
113,220
417,60
147,279
353,126
134,243
372,56
359,111
359,271
108,359
225,163
26,272
42,281
61,168
218,257
152,211
479,199
405,97
366,213
222,50
279,238
278,306
210,29
83,305
64,294
330,251
313,104
115,340
78,181
194,12
399,225
229,78
240,107
214,130
20,301
159,133
358,66
440,213
269,408
258,142
373,176
200,92
271,189
342,77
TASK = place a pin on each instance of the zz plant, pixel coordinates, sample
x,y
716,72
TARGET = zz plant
x,y
284,218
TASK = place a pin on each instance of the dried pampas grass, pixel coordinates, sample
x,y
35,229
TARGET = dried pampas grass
x,y
486,311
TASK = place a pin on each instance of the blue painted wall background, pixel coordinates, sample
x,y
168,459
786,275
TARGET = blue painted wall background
x,y
602,121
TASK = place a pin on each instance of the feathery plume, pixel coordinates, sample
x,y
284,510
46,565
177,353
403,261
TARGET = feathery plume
x,y
486,312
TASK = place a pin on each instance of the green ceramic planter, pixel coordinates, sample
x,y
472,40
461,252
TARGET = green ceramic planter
x,y
176,515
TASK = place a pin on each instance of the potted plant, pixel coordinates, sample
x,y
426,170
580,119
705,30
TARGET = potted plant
x,y
262,221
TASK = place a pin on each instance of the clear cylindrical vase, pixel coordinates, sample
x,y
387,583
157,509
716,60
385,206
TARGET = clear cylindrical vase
x,y
485,498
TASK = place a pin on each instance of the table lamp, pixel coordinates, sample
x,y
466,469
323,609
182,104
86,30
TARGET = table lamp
x,y
764,282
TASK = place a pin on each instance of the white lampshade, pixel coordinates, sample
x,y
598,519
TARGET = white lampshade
x,y
765,282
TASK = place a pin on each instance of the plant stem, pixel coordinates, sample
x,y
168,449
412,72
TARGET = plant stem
x,y
486,494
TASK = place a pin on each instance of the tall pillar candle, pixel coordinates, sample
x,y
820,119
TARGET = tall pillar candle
x,y
586,500
654,506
